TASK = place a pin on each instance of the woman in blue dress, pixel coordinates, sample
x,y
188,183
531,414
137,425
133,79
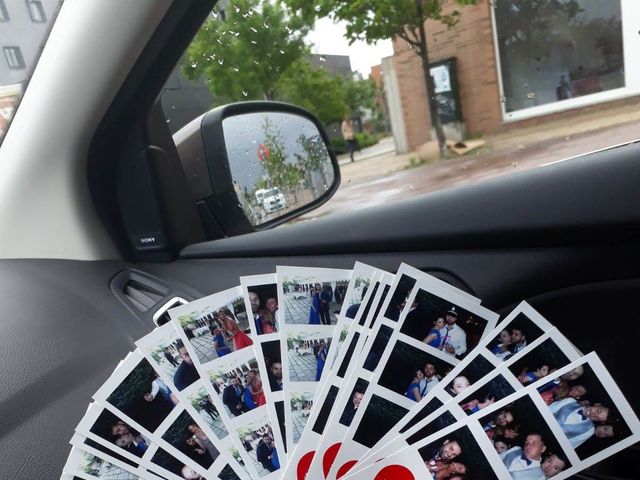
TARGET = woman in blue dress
x,y
219,345
314,311
415,391
323,351
434,338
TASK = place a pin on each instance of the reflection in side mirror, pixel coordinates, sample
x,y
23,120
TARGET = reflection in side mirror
x,y
279,163
253,165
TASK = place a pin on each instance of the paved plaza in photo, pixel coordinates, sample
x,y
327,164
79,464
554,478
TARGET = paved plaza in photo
x,y
297,307
302,368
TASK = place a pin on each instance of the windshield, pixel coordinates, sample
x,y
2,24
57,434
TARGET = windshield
x,y
24,28
271,193
417,99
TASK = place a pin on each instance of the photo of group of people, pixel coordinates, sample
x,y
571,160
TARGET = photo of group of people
x,y
172,465
541,361
307,354
119,433
456,456
441,325
584,410
316,303
186,436
524,441
264,308
240,388
215,330
258,441
514,338
413,372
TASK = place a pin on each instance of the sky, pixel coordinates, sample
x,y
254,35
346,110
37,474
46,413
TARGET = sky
x,y
328,38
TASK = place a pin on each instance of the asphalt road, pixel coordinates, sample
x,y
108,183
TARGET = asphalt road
x,y
369,182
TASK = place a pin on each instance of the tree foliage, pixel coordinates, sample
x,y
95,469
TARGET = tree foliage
x,y
314,89
374,20
243,55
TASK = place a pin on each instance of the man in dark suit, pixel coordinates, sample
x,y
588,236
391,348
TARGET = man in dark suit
x,y
352,408
325,300
264,452
232,397
186,373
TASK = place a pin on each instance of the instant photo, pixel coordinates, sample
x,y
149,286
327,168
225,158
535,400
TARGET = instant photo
x,y
301,404
273,362
353,403
264,307
325,410
443,325
234,382
202,402
307,353
185,435
457,453
412,372
514,337
120,434
214,326
399,297
378,417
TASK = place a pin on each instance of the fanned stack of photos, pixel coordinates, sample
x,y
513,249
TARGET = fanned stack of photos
x,y
317,373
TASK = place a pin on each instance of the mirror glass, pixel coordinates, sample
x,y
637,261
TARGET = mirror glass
x,y
278,162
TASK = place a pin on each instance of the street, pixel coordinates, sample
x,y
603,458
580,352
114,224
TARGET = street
x,y
385,178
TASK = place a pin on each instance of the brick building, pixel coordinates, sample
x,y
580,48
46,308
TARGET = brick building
x,y
521,63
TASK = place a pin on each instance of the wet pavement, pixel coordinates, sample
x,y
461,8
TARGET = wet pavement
x,y
382,179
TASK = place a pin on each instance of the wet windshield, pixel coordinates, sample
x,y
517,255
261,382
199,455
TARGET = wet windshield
x,y
418,96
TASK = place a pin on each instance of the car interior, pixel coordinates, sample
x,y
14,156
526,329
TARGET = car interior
x,y
89,168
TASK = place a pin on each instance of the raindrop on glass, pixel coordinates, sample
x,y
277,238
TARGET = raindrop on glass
x,y
253,30
503,99
245,93
531,95
317,8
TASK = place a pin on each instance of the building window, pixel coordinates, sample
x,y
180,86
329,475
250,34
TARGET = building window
x,y
14,58
565,50
4,13
36,11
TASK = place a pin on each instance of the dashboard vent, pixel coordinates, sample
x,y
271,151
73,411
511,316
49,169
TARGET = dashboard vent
x,y
142,297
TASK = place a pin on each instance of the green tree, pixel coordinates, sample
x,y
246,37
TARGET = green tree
x,y
279,172
359,94
244,55
315,159
373,20
314,89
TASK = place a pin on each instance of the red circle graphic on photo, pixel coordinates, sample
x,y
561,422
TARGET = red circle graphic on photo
x,y
394,472
345,468
304,464
329,457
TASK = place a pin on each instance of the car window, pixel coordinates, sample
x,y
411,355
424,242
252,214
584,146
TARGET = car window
x,y
24,28
512,85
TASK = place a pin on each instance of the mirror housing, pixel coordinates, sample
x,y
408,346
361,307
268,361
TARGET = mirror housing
x,y
212,147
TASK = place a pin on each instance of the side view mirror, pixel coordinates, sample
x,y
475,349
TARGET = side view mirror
x,y
254,165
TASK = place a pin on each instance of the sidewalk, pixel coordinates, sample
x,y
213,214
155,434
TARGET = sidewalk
x,y
518,139
389,177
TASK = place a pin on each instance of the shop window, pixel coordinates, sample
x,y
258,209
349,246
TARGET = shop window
x,y
555,50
